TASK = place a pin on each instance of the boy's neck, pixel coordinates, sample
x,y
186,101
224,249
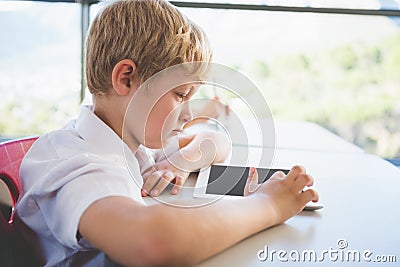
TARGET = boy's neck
x,y
113,117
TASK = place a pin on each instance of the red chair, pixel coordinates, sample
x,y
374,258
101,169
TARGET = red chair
x,y
11,154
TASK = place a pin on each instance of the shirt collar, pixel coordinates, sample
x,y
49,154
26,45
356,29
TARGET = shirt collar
x,y
98,134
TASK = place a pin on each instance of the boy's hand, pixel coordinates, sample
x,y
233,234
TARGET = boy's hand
x,y
156,182
283,195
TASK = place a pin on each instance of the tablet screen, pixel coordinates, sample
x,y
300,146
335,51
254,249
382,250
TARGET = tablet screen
x,y
231,180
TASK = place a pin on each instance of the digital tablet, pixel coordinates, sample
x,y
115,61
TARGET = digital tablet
x,y
221,180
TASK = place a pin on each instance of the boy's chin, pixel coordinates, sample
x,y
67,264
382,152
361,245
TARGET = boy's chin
x,y
158,144
153,145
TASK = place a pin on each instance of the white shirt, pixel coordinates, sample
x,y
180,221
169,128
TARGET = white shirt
x,y
63,173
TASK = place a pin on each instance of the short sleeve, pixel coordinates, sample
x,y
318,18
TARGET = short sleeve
x,y
74,184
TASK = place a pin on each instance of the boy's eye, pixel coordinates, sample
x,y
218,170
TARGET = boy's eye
x,y
181,96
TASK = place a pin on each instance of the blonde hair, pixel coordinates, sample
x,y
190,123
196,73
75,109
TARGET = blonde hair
x,y
152,33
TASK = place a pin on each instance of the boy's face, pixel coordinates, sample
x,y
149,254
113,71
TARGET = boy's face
x,y
168,115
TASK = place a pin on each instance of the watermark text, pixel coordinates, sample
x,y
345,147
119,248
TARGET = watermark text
x,y
338,254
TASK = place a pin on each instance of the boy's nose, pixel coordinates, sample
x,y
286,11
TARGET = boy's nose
x,y
186,113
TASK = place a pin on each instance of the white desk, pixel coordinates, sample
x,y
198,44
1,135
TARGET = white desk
x,y
291,135
360,193
295,135
362,205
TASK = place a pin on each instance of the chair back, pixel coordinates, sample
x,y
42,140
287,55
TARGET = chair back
x,y
11,155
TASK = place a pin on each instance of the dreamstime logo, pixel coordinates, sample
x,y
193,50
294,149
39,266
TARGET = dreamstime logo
x,y
332,254
342,244
149,102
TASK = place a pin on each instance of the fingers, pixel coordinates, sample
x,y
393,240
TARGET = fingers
x,y
251,182
178,185
295,172
300,178
278,175
302,181
163,182
158,181
308,195
150,182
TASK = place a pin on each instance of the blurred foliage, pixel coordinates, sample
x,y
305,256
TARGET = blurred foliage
x,y
353,90
36,116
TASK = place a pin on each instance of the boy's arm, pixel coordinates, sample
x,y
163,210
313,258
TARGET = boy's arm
x,y
195,151
132,234
205,148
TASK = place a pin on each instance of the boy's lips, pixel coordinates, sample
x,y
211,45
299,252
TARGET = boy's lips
x,y
176,131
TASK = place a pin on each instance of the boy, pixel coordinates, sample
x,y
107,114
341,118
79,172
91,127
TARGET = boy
x,y
81,184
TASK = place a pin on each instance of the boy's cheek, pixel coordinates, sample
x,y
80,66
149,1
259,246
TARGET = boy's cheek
x,y
160,124
157,138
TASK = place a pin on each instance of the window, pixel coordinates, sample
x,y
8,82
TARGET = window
x,y
39,67
353,4
339,71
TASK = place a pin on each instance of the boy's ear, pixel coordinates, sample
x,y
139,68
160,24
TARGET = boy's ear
x,y
122,76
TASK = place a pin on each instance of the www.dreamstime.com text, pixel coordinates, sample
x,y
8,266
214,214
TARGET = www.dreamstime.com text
x,y
339,254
